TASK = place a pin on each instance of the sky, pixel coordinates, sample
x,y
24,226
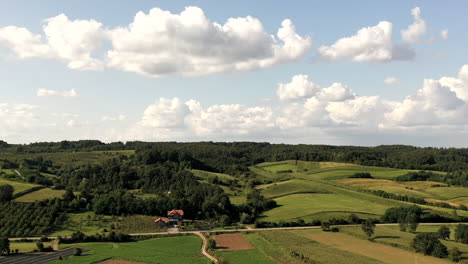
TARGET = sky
x,y
300,72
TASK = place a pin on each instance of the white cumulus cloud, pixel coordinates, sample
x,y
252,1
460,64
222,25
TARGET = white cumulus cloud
x,y
369,44
161,43
416,30
299,87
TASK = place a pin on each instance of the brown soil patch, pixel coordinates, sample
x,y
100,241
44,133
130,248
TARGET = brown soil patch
x,y
232,242
120,261
373,250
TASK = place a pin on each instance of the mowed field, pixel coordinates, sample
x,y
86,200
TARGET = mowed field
x,y
19,187
182,249
39,195
323,190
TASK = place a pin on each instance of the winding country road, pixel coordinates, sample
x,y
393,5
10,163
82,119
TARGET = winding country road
x,y
205,246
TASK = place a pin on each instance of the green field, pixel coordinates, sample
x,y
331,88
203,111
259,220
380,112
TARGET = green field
x,y
313,206
39,195
323,191
252,256
183,249
25,247
279,189
420,189
19,187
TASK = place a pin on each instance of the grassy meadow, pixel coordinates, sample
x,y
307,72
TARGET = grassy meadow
x,y
19,187
182,249
39,195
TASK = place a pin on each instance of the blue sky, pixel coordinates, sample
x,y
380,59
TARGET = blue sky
x,y
58,79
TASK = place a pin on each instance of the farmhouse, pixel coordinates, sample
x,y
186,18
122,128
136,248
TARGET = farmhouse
x,y
174,218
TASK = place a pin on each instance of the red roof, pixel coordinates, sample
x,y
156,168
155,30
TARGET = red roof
x,y
161,219
174,212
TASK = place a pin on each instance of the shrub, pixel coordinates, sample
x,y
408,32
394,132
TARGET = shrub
x,y
363,175
455,255
77,252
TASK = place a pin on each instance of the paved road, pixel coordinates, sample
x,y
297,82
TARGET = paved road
x,y
36,258
205,246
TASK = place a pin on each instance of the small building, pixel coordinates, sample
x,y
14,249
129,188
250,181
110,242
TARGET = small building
x,y
162,221
175,217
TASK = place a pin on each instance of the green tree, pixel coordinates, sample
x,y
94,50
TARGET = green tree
x,y
444,232
4,246
326,226
429,244
6,193
354,219
455,255
461,233
211,243
77,252
368,227
68,195
225,220
40,246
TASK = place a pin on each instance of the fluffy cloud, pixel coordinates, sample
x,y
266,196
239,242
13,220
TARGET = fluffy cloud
x,y
390,81
66,94
70,41
299,87
372,44
161,43
23,43
334,114
432,105
75,41
416,30
165,113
